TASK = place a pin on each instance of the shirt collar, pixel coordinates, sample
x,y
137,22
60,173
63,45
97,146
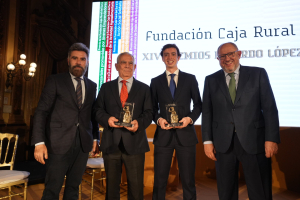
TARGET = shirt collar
x,y
237,71
72,76
168,73
130,80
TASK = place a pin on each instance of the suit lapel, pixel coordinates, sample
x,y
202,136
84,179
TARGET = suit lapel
x,y
164,85
87,91
243,79
223,86
180,84
115,91
133,91
70,87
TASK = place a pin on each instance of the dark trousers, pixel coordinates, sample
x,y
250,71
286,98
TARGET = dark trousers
x,y
257,171
72,164
186,156
134,165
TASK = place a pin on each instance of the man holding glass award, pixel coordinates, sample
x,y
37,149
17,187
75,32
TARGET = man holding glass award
x,y
172,93
123,107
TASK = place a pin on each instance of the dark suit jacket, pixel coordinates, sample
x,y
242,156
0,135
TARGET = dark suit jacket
x,y
108,104
254,113
57,115
187,90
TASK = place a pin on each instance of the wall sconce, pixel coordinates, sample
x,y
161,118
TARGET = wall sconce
x,y
12,71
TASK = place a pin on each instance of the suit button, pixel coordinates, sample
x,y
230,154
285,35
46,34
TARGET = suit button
x,y
231,122
233,109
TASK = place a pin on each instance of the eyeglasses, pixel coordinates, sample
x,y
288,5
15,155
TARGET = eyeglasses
x,y
230,55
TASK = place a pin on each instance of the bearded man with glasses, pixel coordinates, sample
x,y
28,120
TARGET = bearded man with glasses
x,y
240,124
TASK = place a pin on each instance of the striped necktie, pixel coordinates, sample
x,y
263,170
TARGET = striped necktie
x,y
79,92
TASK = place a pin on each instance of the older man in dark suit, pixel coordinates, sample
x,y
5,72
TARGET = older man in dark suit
x,y
124,144
63,131
179,88
240,124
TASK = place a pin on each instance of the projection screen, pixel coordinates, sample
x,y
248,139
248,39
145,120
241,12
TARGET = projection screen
x,y
267,32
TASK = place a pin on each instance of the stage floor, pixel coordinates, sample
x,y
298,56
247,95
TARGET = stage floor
x,y
206,190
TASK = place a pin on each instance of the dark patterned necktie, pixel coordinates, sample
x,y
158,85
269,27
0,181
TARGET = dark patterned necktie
x,y
232,87
79,92
172,85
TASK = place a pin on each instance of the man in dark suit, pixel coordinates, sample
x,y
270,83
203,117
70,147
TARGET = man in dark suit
x,y
175,87
63,131
240,124
123,144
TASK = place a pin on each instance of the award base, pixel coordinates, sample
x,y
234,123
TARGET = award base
x,y
174,124
123,124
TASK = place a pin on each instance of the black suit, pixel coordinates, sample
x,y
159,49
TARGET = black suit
x,y
65,129
119,145
241,128
182,140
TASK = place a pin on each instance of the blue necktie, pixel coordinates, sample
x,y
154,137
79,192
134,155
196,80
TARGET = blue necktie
x,y
172,85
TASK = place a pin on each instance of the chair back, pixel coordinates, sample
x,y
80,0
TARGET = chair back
x,y
8,148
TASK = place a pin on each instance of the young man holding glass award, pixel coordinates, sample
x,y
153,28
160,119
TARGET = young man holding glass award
x,y
123,107
172,93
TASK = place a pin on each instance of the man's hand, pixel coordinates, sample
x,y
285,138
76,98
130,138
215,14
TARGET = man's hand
x,y
162,123
271,148
185,121
135,126
41,152
95,149
111,122
210,151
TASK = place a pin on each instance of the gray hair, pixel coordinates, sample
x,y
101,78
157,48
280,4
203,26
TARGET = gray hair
x,y
227,43
125,53
79,47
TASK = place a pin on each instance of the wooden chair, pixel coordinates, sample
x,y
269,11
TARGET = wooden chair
x,y
9,178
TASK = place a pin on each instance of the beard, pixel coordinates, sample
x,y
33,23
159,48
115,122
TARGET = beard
x,y
77,70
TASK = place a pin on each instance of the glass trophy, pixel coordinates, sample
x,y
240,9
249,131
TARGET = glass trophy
x,y
172,115
126,115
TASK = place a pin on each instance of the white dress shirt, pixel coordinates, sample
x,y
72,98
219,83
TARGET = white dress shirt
x,y
128,84
175,77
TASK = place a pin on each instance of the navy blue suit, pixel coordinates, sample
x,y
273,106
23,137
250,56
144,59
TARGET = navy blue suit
x,y
182,140
241,128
